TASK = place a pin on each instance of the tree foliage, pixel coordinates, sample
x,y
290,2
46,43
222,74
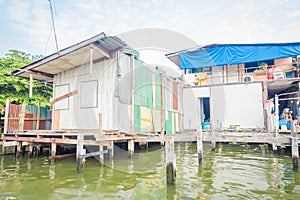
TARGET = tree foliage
x,y
16,89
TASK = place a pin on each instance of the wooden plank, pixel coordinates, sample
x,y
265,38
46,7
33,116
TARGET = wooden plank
x,y
55,119
62,156
97,153
22,117
6,116
55,140
26,118
64,96
10,144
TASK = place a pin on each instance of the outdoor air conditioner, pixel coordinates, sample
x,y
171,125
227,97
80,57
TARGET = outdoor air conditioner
x,y
248,78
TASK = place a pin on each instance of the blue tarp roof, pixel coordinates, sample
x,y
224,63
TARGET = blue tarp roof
x,y
227,54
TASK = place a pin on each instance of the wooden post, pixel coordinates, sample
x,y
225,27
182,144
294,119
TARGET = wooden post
x,y
38,116
170,160
213,142
101,156
100,122
30,84
295,150
30,151
265,98
53,149
276,116
79,149
130,148
199,147
111,150
18,150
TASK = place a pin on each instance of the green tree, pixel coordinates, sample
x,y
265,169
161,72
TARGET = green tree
x,y
16,89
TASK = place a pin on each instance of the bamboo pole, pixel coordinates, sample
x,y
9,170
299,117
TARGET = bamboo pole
x,y
295,150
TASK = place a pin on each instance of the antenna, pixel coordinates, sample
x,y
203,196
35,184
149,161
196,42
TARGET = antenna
x,y
51,10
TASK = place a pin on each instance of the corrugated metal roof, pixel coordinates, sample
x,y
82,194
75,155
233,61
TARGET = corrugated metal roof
x,y
44,69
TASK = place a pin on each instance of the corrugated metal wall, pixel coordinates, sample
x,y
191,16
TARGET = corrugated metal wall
x,y
130,97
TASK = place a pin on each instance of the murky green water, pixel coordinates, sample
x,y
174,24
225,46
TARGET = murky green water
x,y
231,172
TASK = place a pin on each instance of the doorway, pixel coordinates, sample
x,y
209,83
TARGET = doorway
x,y
205,113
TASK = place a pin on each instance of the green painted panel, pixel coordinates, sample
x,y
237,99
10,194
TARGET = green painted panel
x,y
169,123
137,118
143,93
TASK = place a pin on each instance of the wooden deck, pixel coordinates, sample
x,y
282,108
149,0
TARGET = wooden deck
x,y
95,138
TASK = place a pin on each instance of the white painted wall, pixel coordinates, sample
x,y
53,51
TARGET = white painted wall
x,y
78,116
190,104
237,104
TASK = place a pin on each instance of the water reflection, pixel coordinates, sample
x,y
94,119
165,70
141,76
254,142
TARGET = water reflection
x,y
230,172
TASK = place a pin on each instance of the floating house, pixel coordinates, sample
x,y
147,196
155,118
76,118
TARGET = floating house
x,y
231,86
101,84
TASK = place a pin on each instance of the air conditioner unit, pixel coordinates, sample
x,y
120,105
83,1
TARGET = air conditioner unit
x,y
248,78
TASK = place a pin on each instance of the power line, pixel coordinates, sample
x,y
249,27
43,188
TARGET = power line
x,y
53,25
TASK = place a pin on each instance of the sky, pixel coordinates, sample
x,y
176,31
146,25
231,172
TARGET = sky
x,y
26,25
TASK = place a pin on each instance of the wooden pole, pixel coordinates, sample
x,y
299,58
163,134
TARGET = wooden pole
x,y
53,149
111,150
38,116
18,150
100,122
276,116
170,160
79,149
295,150
213,142
30,151
30,84
130,148
6,119
101,156
199,147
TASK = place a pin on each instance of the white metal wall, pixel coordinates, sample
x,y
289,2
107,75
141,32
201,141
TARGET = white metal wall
x,y
237,105
87,117
190,104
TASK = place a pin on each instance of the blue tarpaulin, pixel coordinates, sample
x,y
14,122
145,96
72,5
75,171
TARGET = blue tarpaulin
x,y
227,54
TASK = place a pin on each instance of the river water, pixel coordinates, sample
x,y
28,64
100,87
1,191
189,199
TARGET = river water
x,y
230,172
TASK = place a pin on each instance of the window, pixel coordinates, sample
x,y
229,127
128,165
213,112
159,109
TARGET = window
x,y
89,94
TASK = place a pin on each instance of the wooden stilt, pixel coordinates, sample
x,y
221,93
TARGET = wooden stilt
x,y
18,149
23,150
130,148
170,160
79,149
53,149
199,147
101,156
213,145
30,151
295,150
3,147
111,150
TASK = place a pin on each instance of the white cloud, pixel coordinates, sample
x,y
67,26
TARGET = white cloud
x,y
211,21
